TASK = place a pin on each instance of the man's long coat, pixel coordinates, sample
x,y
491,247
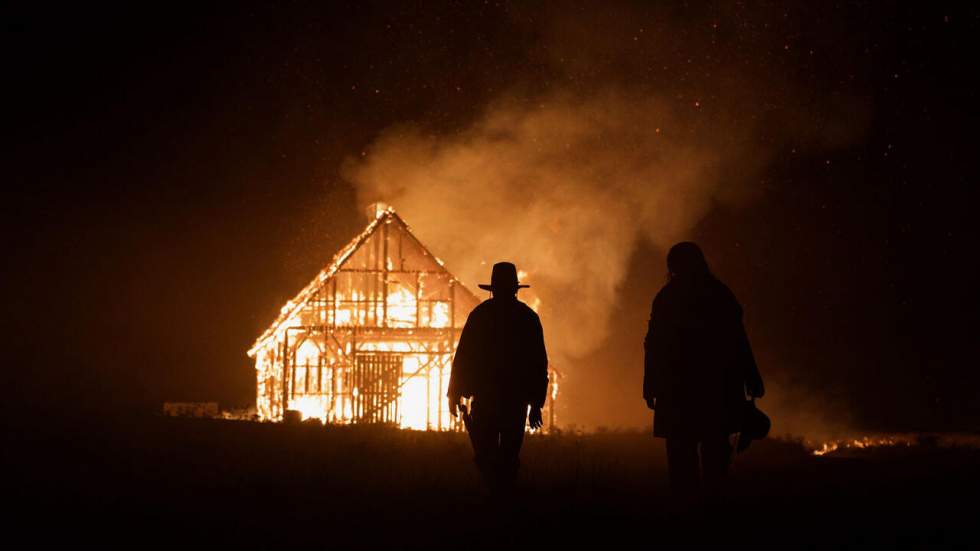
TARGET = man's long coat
x,y
698,360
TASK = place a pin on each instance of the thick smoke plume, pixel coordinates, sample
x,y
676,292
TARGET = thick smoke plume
x,y
564,187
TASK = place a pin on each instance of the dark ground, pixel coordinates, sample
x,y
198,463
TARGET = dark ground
x,y
167,482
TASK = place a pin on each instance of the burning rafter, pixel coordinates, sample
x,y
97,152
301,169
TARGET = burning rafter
x,y
294,305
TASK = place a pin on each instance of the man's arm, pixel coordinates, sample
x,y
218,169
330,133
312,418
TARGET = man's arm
x,y
460,375
652,357
539,365
746,360
539,373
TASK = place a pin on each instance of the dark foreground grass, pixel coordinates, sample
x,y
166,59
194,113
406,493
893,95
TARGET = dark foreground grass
x,y
157,482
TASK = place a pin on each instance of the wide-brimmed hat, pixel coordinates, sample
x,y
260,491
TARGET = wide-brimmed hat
x,y
503,278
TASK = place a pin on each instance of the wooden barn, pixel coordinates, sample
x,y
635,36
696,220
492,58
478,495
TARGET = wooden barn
x,y
370,339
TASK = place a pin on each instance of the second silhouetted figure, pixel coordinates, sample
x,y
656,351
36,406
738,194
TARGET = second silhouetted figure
x,y
699,366
501,363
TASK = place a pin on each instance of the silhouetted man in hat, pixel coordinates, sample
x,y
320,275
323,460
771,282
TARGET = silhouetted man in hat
x,y
698,368
501,363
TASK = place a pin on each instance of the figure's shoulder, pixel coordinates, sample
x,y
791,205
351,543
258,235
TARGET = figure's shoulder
x,y
726,297
491,308
523,306
481,308
527,311
479,316
723,290
665,293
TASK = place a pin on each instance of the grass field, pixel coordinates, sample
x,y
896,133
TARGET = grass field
x,y
185,482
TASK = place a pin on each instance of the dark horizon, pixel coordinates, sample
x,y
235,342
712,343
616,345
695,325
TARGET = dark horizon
x,y
178,176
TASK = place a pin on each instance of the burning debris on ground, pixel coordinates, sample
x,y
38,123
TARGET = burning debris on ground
x,y
905,440
863,442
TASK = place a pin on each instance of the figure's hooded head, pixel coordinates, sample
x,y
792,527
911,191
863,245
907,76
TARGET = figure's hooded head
x,y
685,261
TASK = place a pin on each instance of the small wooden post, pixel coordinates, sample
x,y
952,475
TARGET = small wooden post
x,y
384,274
285,374
442,365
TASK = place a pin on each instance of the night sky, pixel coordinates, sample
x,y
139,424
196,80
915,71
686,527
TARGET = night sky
x,y
174,176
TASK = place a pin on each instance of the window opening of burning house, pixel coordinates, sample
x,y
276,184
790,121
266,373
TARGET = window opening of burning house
x,y
370,339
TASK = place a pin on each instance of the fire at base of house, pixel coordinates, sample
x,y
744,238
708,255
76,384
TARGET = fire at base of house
x,y
371,338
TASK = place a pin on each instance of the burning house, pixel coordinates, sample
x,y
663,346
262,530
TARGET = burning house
x,y
370,339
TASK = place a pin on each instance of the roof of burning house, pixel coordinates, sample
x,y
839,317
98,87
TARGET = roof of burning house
x,y
383,214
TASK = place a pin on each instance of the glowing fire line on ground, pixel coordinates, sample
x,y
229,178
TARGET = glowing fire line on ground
x,y
864,442
905,440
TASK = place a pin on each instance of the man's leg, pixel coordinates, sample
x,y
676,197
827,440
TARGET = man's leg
x,y
716,457
682,467
484,437
512,421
